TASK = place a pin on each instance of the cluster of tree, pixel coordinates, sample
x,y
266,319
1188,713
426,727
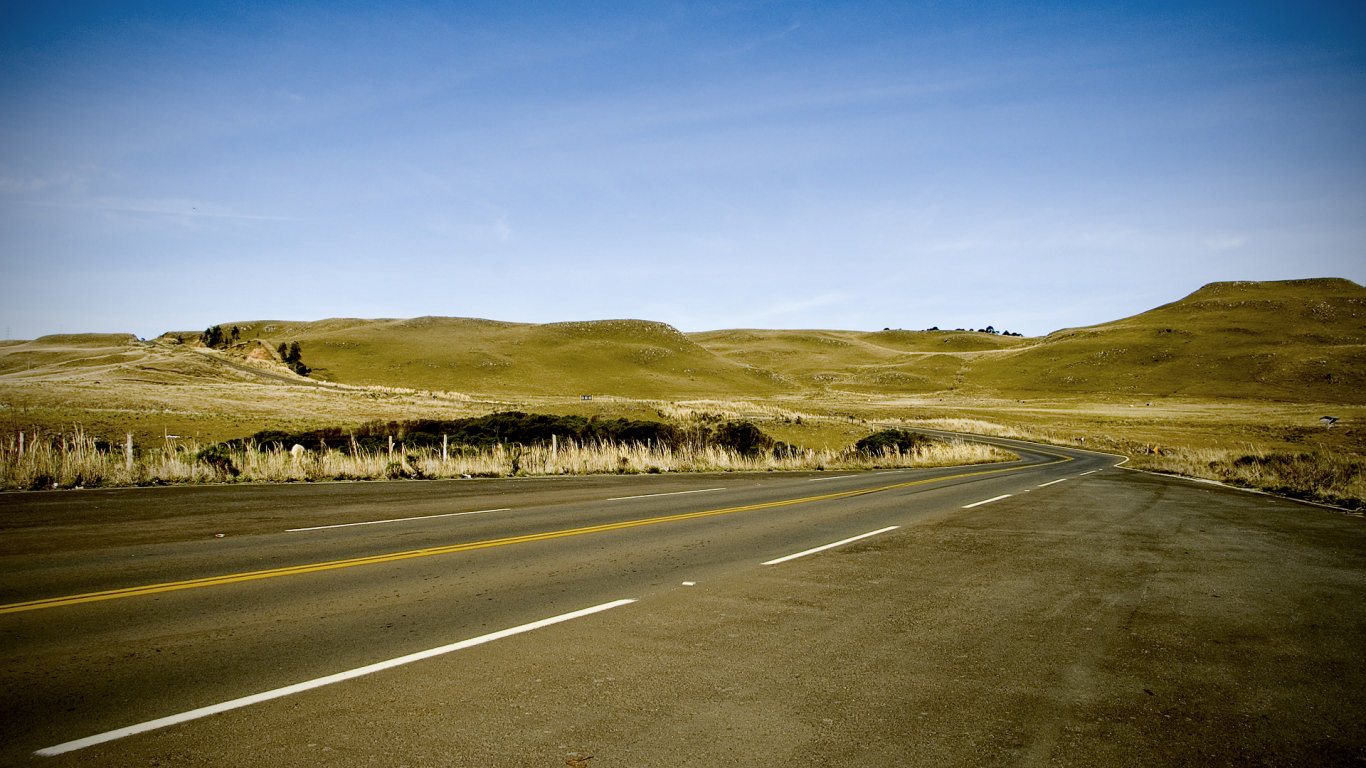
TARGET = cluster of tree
x,y
293,357
988,329
213,337
518,428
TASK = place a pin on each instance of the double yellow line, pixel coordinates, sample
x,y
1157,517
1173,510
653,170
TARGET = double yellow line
x,y
330,565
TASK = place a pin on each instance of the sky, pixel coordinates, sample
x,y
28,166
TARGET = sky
x,y
850,165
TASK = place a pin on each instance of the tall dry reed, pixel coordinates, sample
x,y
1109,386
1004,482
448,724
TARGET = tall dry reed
x,y
78,460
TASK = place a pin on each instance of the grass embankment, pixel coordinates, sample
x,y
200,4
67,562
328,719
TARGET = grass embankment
x,y
80,461
1336,479
1312,465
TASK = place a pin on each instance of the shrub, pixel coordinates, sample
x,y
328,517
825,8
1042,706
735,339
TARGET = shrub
x,y
888,441
218,456
742,437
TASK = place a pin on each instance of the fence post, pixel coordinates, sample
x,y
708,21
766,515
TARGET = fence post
x,y
391,446
443,448
21,443
128,453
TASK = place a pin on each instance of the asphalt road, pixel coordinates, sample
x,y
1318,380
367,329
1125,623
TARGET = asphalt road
x,y
1083,615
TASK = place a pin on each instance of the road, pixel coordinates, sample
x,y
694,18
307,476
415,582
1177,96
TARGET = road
x,y
1053,611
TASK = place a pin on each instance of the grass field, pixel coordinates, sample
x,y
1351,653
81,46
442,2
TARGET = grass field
x,y
1235,370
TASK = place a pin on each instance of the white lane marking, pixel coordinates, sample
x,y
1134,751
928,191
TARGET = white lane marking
x,y
1053,482
396,520
689,583
986,501
840,543
670,493
818,479
256,698
1089,471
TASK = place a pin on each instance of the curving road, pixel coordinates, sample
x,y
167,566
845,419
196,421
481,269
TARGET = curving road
x,y
1054,610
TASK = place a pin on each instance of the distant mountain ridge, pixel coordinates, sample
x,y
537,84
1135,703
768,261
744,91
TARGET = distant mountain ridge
x,y
1294,340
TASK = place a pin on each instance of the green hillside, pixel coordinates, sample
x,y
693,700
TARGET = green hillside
x,y
1288,341
884,361
628,358
1294,340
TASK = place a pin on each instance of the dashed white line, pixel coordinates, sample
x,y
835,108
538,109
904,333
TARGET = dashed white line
x,y
1053,482
671,493
840,543
986,501
1089,471
195,714
396,520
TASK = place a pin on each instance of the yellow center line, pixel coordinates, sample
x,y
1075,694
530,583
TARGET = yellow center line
x,y
329,565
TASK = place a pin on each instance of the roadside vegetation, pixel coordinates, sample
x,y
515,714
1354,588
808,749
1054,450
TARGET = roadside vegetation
x,y
1323,465
79,460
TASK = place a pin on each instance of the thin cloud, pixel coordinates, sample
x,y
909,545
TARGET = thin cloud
x,y
783,309
172,208
755,44
1225,242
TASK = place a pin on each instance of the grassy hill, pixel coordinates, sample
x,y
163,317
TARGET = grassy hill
x,y
1294,341
1288,341
884,361
628,358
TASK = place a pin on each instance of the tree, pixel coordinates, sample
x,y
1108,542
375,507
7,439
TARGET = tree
x,y
292,355
212,337
236,334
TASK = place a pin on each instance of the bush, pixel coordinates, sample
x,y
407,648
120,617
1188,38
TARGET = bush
x,y
742,437
509,427
887,441
219,457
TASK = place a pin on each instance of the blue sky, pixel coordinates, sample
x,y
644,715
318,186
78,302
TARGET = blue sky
x,y
712,165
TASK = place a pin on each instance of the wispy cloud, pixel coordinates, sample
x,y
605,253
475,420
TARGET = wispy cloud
x,y
788,309
755,44
157,207
1225,242
29,185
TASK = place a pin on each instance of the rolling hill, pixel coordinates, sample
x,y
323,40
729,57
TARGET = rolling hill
x,y
1287,341
1293,340
628,358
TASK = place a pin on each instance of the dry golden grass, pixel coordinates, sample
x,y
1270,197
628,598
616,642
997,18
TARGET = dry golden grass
x,y
1246,445
1328,478
76,461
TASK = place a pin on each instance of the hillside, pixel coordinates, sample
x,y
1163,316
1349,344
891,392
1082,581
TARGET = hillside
x,y
628,358
1294,341
884,361
1289,341
110,358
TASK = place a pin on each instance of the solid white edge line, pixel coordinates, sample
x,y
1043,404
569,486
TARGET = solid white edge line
x,y
818,479
986,501
1051,482
396,520
194,714
831,546
670,493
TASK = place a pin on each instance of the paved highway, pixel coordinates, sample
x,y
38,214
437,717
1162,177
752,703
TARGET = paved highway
x,y
1055,610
